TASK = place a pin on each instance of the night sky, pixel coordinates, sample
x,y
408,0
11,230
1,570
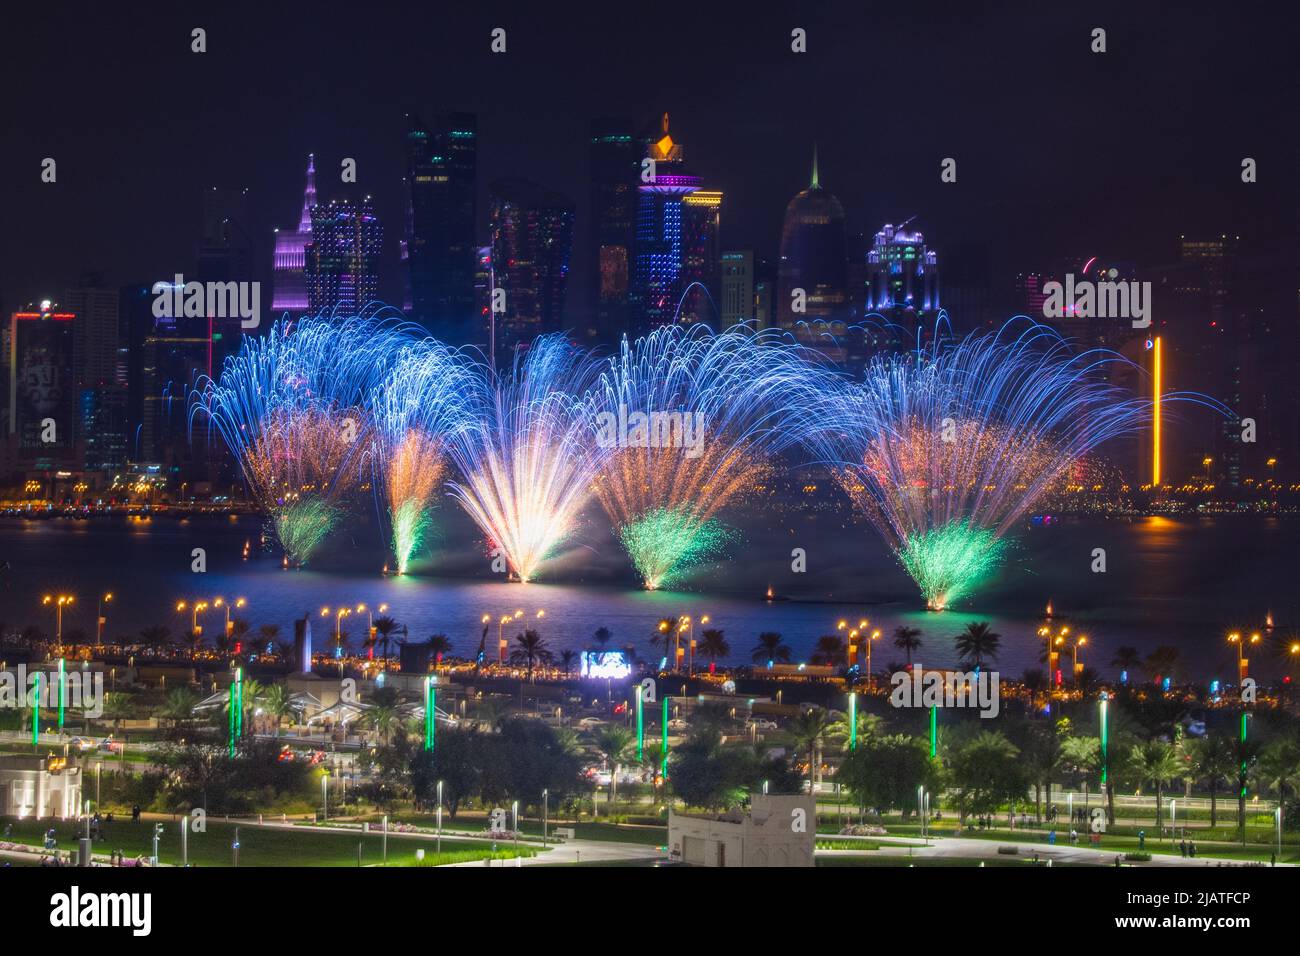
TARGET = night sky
x,y
1060,151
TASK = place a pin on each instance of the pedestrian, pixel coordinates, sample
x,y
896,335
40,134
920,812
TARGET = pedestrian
x,y
1191,849
1182,847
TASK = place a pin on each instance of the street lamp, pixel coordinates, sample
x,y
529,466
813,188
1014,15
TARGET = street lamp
x,y
1243,662
58,602
99,619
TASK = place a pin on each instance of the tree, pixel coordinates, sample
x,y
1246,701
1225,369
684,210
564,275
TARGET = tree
x,y
238,631
454,762
178,705
439,646
810,730
155,637
269,634
907,639
1279,765
987,772
1127,659
615,743
567,657
602,637
770,648
532,649
714,644
885,771
385,627
977,642
1163,662
829,650
1156,763
1212,761
663,636
869,725
276,704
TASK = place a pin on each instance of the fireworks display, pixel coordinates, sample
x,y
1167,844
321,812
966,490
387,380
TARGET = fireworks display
x,y
421,401
945,448
692,418
293,407
527,454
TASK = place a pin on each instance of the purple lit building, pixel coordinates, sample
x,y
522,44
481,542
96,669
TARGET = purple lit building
x,y
341,262
290,291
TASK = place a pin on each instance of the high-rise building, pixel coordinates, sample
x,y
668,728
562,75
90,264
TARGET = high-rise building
x,y
676,240
42,404
737,297
614,156
442,175
342,259
95,332
813,272
1029,295
290,284
531,229
902,279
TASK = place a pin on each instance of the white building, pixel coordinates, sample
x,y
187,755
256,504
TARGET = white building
x,y
32,786
775,831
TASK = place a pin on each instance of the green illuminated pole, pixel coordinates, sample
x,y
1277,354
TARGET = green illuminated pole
x,y
663,758
640,725
36,712
1241,778
853,721
934,732
430,713
1105,766
236,708
62,690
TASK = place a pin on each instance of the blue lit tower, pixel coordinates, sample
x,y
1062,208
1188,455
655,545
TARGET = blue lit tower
x,y
676,238
290,293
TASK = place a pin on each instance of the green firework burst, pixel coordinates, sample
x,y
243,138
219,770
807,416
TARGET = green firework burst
x,y
302,526
665,543
948,562
411,521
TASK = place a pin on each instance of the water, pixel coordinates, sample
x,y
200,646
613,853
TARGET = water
x,y
1185,582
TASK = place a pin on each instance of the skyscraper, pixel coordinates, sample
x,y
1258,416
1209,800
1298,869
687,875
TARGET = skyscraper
x,y
614,158
902,279
813,271
42,386
342,259
701,256
442,171
736,301
531,230
290,290
676,239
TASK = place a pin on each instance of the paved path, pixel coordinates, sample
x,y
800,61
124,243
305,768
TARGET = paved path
x,y
979,849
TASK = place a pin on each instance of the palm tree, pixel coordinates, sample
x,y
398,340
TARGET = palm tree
x,y
907,639
385,628
179,705
1279,765
1127,659
567,657
770,648
977,642
276,703
1155,762
829,650
664,633
269,633
1214,762
810,730
868,725
439,646
713,644
602,637
1163,662
238,631
532,649
156,636
194,641
615,743
383,717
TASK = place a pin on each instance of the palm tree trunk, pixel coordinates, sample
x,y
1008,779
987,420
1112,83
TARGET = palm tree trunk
x,y
1214,803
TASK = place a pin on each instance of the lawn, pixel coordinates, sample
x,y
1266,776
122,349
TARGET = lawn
x,y
264,846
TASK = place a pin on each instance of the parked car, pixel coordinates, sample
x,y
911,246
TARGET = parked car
x,y
109,745
760,723
82,744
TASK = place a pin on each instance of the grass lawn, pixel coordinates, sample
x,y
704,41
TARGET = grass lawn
x,y
262,846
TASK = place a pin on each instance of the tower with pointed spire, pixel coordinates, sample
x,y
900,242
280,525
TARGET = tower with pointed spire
x,y
812,276
290,288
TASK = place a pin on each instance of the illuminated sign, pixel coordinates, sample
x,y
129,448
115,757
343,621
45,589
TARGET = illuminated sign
x,y
612,665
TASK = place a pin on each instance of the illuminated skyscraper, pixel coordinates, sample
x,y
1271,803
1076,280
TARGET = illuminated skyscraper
x,y
531,230
442,171
813,272
902,280
290,292
736,301
614,159
342,259
676,239
42,386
